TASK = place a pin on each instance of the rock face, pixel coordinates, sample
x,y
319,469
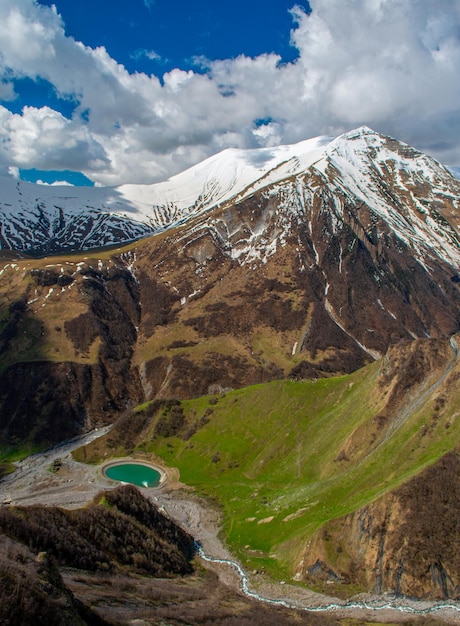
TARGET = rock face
x,y
403,540
51,399
403,543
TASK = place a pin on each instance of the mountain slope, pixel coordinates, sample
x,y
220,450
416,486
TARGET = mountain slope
x,y
360,165
309,276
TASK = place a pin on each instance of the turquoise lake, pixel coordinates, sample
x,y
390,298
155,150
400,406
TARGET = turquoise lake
x,y
134,473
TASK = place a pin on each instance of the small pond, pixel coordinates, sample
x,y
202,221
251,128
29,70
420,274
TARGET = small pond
x,y
134,473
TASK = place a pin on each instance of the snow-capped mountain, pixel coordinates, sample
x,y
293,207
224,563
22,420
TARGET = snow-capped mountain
x,y
51,218
297,261
413,193
304,261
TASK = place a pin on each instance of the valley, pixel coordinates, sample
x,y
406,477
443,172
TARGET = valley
x,y
76,484
284,459
283,341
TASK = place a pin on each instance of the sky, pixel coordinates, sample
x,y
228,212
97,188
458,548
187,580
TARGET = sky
x,y
133,91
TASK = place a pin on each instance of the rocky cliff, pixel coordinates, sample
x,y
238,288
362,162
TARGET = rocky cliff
x,y
404,543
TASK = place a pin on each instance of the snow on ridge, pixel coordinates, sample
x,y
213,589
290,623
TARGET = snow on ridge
x,y
32,213
383,173
223,176
356,163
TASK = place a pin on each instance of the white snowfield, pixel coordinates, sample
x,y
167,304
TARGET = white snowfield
x,y
356,163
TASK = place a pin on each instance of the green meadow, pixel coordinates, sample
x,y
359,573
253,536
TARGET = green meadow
x,y
281,459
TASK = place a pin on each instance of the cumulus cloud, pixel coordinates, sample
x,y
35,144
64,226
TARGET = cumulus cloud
x,y
45,139
391,64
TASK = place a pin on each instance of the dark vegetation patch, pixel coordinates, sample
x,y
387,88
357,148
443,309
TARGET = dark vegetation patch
x,y
157,302
428,537
119,529
265,307
409,363
181,343
10,321
32,591
44,403
222,318
82,330
167,416
116,329
323,334
49,278
171,421
133,428
189,379
341,361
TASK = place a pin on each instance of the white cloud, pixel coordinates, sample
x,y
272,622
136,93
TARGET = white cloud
x,y
45,139
391,64
57,183
142,53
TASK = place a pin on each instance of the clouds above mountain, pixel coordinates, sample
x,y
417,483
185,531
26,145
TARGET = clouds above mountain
x,y
391,64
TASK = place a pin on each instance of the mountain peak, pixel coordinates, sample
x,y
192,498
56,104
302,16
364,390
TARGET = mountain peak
x,y
359,164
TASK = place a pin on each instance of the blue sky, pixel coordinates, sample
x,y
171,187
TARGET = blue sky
x,y
135,91
175,32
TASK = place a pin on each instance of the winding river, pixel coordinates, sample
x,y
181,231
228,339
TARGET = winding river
x,y
416,608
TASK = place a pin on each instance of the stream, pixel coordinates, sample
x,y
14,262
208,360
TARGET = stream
x,y
417,607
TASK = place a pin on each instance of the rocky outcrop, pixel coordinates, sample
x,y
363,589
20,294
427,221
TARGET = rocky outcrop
x,y
404,543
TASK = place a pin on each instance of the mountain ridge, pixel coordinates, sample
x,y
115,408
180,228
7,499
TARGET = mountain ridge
x,y
140,209
47,219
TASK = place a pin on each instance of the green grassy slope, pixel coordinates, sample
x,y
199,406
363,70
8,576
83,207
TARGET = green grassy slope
x,y
285,457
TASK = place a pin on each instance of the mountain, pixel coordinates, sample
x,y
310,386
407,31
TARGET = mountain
x,y
289,331
360,165
314,269
46,219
